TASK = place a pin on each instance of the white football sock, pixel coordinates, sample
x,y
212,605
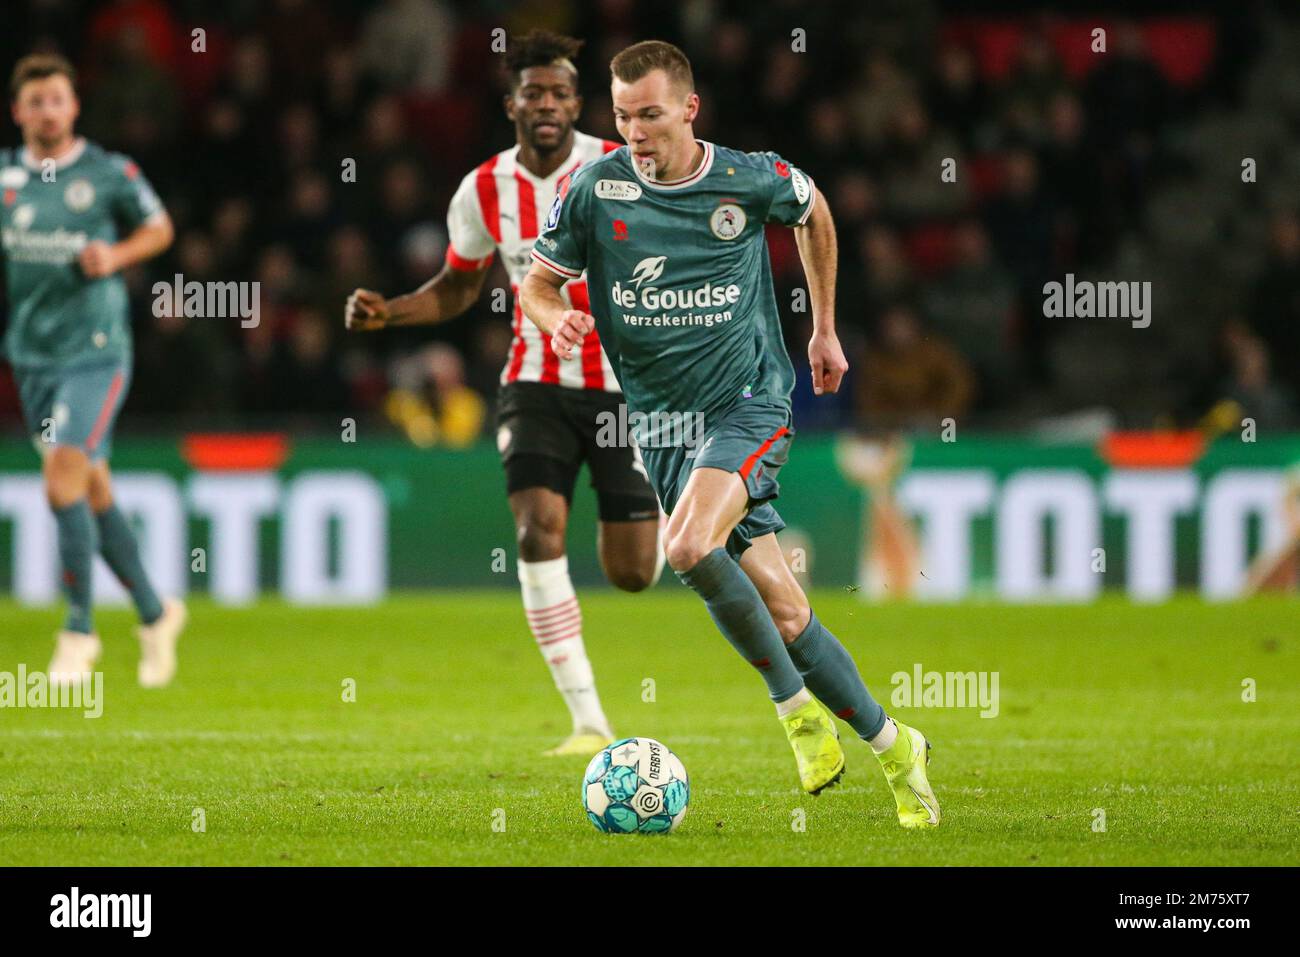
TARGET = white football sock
x,y
800,698
883,741
556,622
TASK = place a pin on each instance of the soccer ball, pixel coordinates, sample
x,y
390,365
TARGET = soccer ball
x,y
635,785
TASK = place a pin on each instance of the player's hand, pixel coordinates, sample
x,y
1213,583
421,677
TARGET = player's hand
x,y
98,259
574,325
828,362
366,311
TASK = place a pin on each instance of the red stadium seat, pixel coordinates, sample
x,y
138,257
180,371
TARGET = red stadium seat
x,y
1182,47
1073,44
994,42
929,247
984,175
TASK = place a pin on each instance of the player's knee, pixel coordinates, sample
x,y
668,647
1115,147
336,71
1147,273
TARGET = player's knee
x,y
100,492
685,549
100,497
67,475
630,577
540,534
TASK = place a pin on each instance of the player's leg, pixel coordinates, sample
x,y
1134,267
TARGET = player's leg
x,y
629,550
699,532
712,503
554,615
894,549
161,620
831,674
542,451
892,557
118,546
65,469
708,491
628,536
825,665
1279,568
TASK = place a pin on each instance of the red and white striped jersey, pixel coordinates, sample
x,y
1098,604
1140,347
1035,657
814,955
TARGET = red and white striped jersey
x,y
499,206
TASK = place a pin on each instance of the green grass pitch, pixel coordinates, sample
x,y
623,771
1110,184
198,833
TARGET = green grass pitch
x,y
1136,710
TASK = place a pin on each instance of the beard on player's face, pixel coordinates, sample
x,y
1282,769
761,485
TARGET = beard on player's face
x,y
657,148
546,132
545,106
47,112
49,132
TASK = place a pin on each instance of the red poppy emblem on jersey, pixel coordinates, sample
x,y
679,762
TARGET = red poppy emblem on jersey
x,y
11,196
782,169
131,170
620,229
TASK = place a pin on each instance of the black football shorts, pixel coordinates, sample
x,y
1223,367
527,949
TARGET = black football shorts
x,y
545,433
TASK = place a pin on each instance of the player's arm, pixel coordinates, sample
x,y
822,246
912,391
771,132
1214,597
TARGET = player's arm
x,y
471,246
817,251
100,259
541,302
140,214
559,256
443,297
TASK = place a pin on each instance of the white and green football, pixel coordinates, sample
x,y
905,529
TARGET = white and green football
x,y
635,786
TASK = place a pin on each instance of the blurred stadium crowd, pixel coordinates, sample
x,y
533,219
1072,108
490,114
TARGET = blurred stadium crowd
x,y
1122,166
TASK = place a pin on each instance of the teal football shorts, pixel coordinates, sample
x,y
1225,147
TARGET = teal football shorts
x,y
752,439
75,407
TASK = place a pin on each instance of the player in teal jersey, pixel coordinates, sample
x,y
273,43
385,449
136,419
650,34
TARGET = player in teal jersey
x,y
72,216
670,232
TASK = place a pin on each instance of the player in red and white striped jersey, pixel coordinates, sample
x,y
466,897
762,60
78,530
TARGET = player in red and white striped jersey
x,y
499,207
552,415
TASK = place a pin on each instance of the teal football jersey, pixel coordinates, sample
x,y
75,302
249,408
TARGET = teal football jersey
x,y
679,275
58,317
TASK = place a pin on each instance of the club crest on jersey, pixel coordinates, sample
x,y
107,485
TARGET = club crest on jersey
x,y
24,216
727,221
13,177
553,216
620,189
79,195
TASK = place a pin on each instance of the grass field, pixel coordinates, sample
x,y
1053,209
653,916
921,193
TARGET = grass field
x,y
1135,710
